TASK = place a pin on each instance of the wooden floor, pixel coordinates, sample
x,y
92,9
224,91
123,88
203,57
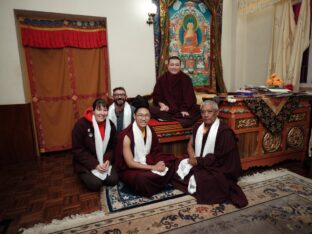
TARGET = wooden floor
x,y
48,189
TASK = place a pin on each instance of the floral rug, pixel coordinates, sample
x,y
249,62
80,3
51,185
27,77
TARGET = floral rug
x,y
279,202
121,197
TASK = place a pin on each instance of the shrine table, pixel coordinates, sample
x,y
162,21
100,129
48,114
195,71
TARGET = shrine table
x,y
269,129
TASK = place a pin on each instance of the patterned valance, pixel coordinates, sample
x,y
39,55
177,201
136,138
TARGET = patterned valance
x,y
272,121
38,33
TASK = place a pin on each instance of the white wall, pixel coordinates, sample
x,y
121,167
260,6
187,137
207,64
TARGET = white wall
x,y
130,43
245,44
228,43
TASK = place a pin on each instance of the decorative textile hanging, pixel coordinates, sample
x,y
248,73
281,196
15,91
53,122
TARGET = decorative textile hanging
x,y
274,122
169,14
246,7
38,33
67,64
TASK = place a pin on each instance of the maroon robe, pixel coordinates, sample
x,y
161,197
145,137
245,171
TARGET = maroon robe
x,y
176,91
143,182
216,174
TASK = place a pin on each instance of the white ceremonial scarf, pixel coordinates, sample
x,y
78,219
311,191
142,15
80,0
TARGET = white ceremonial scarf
x,y
126,118
100,146
191,188
211,139
184,166
142,149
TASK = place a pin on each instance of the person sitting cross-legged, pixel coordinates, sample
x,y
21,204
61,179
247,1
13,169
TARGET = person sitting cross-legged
x,y
93,140
212,169
174,97
140,163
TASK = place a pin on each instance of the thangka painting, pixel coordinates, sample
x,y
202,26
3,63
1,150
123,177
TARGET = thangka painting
x,y
189,35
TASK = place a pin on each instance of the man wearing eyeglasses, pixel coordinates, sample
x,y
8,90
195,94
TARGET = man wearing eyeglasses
x,y
120,112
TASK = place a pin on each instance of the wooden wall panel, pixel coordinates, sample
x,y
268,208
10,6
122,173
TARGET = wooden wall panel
x,y
17,141
177,148
247,144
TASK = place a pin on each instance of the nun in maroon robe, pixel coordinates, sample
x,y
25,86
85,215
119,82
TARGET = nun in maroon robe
x,y
216,173
132,172
173,96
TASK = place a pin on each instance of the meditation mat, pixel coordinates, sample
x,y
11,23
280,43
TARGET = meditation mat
x,y
120,197
279,202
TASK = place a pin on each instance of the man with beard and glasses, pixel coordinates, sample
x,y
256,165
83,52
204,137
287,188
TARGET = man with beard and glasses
x,y
120,112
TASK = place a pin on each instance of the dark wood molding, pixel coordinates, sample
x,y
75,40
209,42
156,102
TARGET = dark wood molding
x,y
17,138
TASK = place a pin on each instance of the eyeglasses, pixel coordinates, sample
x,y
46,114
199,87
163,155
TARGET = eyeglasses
x,y
141,116
119,95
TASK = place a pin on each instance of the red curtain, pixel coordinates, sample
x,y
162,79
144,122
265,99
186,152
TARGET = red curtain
x,y
67,67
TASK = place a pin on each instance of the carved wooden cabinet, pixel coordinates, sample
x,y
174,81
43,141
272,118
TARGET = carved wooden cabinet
x,y
257,145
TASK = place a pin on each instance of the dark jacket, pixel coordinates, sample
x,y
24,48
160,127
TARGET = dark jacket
x,y
83,146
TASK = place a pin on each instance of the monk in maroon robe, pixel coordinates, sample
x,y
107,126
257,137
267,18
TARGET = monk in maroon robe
x,y
139,159
173,96
215,167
